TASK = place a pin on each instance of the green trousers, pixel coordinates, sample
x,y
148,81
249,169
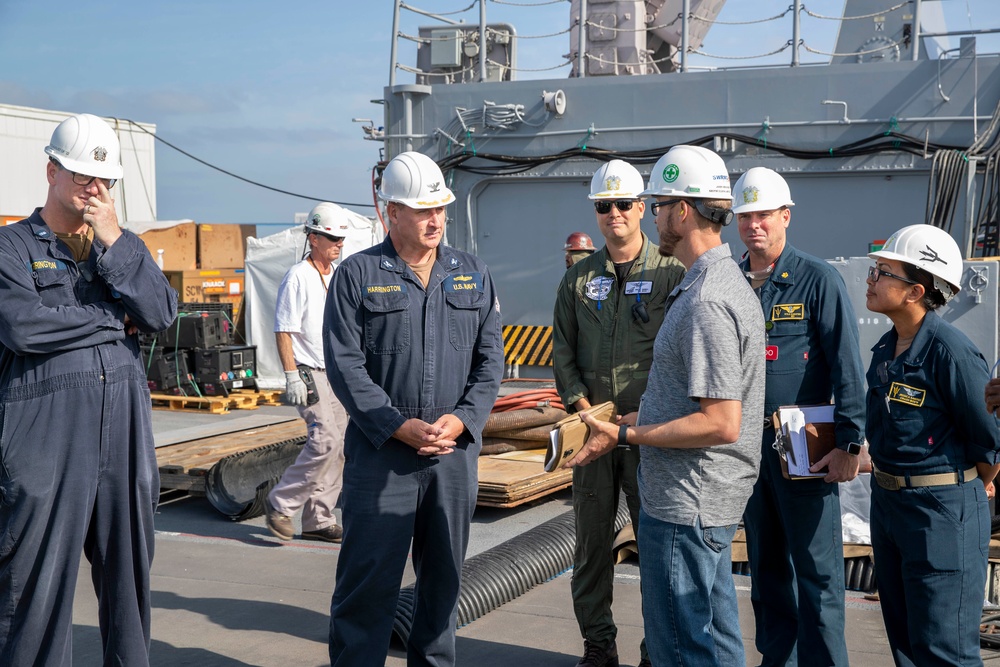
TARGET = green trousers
x,y
597,487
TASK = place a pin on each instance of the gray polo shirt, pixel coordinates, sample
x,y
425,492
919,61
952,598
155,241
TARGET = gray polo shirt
x,y
711,345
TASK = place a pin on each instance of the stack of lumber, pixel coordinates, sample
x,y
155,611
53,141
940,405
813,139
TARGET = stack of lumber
x,y
511,469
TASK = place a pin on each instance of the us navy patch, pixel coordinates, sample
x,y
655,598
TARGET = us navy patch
x,y
464,282
904,393
788,311
598,288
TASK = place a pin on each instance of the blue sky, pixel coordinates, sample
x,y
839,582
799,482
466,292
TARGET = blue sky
x,y
268,90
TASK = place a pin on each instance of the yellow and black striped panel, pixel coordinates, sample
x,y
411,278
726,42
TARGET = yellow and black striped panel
x,y
527,345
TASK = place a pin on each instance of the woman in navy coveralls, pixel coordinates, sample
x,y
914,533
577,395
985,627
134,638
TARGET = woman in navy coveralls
x,y
934,451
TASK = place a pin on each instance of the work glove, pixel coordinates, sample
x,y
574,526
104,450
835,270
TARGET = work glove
x,y
295,388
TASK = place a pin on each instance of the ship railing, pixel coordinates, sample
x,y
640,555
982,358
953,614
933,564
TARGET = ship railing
x,y
681,60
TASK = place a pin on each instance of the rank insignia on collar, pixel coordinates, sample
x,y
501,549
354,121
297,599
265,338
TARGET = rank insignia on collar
x,y
386,264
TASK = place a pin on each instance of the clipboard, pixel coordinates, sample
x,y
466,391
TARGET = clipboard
x,y
803,435
569,434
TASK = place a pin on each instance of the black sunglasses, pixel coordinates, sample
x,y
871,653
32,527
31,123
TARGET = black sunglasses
x,y
882,371
604,206
657,205
874,273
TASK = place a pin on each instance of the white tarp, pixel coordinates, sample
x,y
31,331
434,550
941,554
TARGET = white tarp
x,y
267,261
855,506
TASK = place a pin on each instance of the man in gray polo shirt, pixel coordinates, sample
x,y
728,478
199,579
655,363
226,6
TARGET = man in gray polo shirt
x,y
699,421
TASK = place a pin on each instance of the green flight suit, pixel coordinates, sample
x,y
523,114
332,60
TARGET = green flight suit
x,y
602,351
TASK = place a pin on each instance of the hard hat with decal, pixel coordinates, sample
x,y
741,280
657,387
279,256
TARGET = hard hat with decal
x,y
761,189
414,180
579,241
616,179
929,248
689,171
87,145
327,219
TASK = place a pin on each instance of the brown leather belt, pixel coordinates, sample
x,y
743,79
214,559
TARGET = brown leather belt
x,y
897,482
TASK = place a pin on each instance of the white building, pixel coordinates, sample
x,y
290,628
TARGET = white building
x,y
24,134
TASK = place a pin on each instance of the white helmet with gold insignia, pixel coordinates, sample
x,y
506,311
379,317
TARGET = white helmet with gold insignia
x,y
761,189
616,179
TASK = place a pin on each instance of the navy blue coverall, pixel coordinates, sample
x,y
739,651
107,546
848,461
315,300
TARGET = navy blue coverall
x,y
794,534
396,351
77,461
930,544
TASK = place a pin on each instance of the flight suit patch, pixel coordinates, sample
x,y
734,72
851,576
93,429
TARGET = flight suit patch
x,y
598,289
788,311
904,393
639,287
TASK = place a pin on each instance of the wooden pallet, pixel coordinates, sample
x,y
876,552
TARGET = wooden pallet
x,y
515,478
240,399
183,465
266,396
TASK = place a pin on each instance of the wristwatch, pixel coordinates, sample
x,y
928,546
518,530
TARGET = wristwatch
x,y
623,435
852,448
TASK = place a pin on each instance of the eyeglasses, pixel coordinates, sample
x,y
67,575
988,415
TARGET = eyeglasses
x,y
874,273
84,180
604,206
657,205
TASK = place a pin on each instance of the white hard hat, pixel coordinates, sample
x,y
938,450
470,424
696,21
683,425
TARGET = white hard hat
x,y
616,179
414,180
327,219
929,248
761,189
689,171
87,145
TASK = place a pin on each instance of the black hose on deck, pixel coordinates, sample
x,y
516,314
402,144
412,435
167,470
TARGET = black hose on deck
x,y
238,485
510,569
859,573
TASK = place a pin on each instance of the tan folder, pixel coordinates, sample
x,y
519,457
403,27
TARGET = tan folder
x,y
569,434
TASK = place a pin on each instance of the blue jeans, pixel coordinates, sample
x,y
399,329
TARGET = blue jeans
x,y
688,596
